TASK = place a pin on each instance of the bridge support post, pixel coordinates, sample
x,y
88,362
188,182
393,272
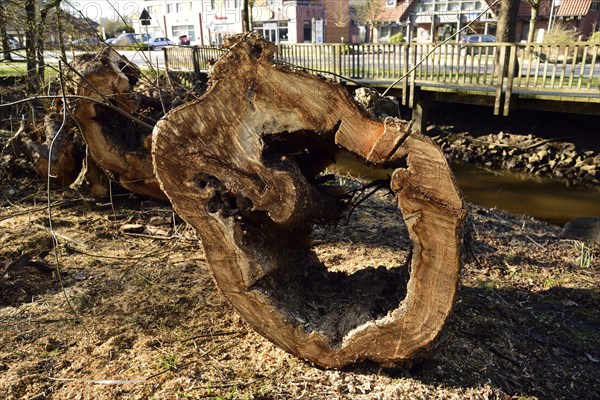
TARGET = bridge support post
x,y
420,111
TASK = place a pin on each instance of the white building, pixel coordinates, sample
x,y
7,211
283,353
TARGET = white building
x,y
210,21
203,21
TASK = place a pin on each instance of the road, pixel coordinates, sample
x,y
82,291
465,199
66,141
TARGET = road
x,y
137,57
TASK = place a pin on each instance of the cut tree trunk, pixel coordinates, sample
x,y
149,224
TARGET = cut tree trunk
x,y
57,154
242,166
117,143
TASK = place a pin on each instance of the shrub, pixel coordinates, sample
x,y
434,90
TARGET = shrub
x,y
560,33
138,46
594,38
398,38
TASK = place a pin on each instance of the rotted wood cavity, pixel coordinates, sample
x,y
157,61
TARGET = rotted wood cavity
x,y
117,143
244,165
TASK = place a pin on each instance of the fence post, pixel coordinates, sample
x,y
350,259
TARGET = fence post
x,y
513,69
166,53
499,71
196,61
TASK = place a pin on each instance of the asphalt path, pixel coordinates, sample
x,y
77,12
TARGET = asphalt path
x,y
157,58
141,59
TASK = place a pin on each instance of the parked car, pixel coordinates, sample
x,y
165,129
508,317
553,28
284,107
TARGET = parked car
x,y
13,44
476,39
159,43
130,39
109,40
84,43
184,40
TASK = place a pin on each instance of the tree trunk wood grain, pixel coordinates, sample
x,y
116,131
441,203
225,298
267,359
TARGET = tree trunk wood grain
x,y
241,164
116,143
60,153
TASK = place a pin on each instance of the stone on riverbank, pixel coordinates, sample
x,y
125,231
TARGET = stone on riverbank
x,y
523,152
586,229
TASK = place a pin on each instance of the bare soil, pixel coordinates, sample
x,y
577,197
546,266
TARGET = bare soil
x,y
125,308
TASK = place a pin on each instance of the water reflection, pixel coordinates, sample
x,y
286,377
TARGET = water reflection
x,y
517,193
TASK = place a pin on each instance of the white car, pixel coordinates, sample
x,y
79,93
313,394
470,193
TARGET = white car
x,y
158,43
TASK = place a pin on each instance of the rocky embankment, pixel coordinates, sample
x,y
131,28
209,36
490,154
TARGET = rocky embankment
x,y
524,153
544,157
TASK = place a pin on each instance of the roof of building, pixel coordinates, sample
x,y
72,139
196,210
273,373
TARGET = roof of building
x,y
525,9
572,8
395,13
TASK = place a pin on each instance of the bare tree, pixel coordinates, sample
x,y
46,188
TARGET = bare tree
x,y
507,21
59,31
247,15
535,8
41,27
3,35
340,16
369,13
30,46
506,28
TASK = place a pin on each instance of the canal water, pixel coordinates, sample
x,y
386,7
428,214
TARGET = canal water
x,y
516,193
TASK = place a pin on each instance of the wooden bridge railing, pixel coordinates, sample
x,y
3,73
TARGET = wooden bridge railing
x,y
548,71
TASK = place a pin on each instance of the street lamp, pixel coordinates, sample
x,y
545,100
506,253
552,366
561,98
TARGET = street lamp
x,y
553,4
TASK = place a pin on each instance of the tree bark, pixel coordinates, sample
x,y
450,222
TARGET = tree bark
x,y
118,144
59,31
57,153
507,21
506,31
3,36
535,5
30,46
241,165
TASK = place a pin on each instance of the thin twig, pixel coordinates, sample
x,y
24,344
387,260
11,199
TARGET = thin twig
x,y
158,237
212,334
55,241
438,46
28,211
376,185
240,385
112,107
282,62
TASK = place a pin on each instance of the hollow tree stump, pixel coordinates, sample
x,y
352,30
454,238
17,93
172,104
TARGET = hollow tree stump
x,y
241,165
117,143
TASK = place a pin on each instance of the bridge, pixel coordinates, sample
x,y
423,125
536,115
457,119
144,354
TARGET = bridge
x,y
551,77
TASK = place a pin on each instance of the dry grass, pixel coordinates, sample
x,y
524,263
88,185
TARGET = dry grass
x,y
146,321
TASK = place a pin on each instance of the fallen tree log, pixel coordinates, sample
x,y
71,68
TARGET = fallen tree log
x,y
57,153
242,166
118,143
50,148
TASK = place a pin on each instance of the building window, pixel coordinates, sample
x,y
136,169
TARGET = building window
x,y
467,6
307,32
283,31
170,8
179,30
387,31
232,4
179,7
595,5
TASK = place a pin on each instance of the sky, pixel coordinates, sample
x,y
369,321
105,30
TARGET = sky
x,y
96,9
